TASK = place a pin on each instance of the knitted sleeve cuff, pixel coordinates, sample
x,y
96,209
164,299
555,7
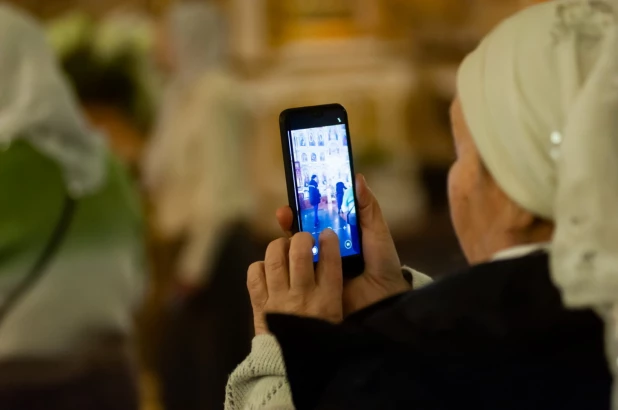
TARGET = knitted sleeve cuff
x,y
265,350
259,382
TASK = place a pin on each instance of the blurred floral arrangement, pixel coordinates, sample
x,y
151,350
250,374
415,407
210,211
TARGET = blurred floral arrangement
x,y
109,61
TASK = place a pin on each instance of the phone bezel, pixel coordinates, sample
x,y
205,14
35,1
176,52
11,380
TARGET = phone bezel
x,y
313,117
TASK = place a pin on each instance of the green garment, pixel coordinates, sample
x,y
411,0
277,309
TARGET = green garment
x,y
94,280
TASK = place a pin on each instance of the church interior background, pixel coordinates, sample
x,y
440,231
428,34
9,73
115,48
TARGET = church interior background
x,y
391,63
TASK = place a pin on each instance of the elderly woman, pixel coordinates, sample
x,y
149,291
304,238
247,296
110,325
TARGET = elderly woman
x,y
71,257
533,197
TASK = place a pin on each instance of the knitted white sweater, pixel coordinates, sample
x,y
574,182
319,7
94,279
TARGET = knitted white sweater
x,y
259,382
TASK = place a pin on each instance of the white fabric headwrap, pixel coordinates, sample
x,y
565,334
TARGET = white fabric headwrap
x,y
36,104
540,95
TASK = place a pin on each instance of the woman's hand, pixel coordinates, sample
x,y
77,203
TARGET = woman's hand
x,y
382,277
286,281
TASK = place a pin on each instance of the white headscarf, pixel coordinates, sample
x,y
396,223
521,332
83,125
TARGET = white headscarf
x,y
540,95
196,37
37,105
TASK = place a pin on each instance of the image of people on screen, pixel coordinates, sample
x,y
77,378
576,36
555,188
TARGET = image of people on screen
x,y
326,197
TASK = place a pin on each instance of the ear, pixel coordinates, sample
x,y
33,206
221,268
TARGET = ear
x,y
514,218
520,220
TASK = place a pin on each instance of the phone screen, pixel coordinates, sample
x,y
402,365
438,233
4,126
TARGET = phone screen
x,y
324,184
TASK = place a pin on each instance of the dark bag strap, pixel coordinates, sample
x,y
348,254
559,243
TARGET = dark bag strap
x,y
39,267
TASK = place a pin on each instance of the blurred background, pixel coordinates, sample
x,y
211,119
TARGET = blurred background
x,y
172,85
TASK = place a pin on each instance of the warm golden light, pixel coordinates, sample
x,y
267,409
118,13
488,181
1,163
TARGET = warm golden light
x,y
312,19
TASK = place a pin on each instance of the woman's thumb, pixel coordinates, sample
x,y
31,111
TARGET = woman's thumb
x,y
369,212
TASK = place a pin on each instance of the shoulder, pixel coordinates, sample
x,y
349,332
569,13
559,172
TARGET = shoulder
x,y
471,312
474,291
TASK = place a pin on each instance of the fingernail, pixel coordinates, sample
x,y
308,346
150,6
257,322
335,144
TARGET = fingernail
x,y
361,188
327,235
365,181
362,180
328,232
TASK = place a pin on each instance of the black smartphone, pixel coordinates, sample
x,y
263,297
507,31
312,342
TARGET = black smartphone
x,y
319,170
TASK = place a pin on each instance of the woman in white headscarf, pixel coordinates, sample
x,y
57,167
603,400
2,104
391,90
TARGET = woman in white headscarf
x,y
194,166
195,174
533,196
71,257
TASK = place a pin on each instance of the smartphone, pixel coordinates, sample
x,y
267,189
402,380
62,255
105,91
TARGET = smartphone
x,y
319,170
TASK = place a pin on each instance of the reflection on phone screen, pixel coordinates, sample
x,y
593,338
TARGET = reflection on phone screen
x,y
325,191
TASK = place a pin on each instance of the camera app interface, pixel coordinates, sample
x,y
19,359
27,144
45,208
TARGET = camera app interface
x,y
325,193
